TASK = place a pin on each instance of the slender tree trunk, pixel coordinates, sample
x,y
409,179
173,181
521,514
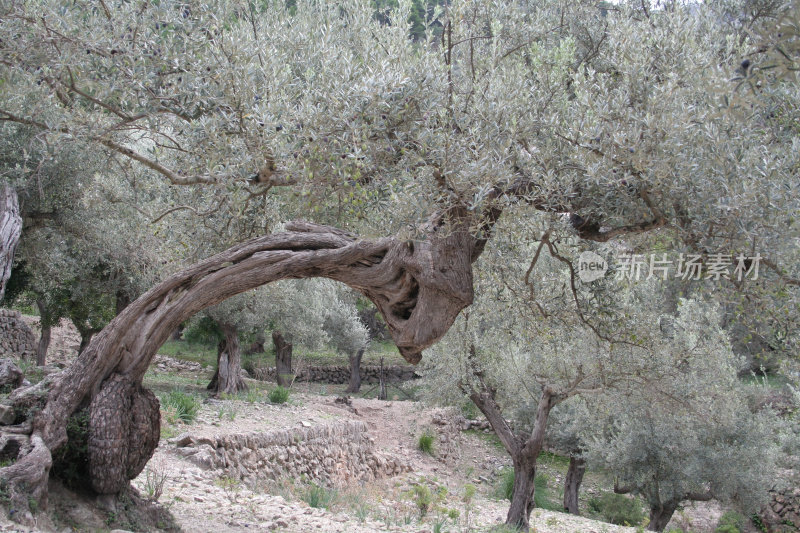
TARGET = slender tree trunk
x,y
86,338
524,452
10,230
660,516
419,290
44,339
382,384
522,502
572,483
228,376
283,359
355,371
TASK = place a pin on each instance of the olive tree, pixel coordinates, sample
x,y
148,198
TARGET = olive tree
x,y
622,119
685,431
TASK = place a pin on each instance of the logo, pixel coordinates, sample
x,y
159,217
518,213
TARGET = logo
x,y
591,267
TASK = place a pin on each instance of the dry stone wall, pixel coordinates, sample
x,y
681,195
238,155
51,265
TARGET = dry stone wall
x,y
333,454
783,513
341,374
16,338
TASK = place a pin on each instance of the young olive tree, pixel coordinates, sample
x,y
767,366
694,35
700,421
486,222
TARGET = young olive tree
x,y
349,335
626,119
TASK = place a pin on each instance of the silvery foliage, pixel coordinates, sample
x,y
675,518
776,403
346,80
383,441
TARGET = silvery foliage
x,y
685,426
309,313
346,332
83,227
591,103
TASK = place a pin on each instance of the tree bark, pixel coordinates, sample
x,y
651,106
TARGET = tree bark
x,y
524,452
44,339
522,502
10,230
572,483
283,359
419,288
228,375
355,371
660,516
381,384
258,344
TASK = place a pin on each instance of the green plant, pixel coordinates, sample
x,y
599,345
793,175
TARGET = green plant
x,y
279,395
319,496
730,522
760,525
185,405
505,488
425,442
155,477
422,497
617,509
71,461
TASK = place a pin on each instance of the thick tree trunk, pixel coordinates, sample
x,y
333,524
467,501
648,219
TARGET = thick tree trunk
x,y
660,516
228,376
355,371
418,287
572,483
44,339
283,359
522,503
10,230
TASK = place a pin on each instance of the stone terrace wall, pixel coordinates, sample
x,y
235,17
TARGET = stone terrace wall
x,y
341,374
335,454
16,338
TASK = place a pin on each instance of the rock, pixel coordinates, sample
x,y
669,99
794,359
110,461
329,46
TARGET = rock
x,y
7,415
10,374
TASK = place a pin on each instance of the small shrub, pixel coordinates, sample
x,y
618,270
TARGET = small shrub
x,y
185,405
425,442
279,395
617,509
155,477
730,522
318,496
423,498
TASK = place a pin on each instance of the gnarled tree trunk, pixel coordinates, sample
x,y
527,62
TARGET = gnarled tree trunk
x,y
419,289
572,483
283,359
10,230
228,376
355,371
661,515
44,338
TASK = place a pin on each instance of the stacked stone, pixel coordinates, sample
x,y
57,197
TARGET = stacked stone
x,y
783,512
333,454
341,374
16,338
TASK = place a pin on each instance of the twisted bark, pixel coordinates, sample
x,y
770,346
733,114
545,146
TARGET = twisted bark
x,y
419,289
228,375
10,230
283,359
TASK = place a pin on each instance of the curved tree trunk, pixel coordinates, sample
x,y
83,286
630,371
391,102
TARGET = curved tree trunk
x,y
660,516
228,376
355,371
419,289
572,483
283,359
10,230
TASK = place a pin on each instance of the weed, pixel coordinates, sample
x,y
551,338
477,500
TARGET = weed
x,y
425,442
318,496
185,405
279,395
155,477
